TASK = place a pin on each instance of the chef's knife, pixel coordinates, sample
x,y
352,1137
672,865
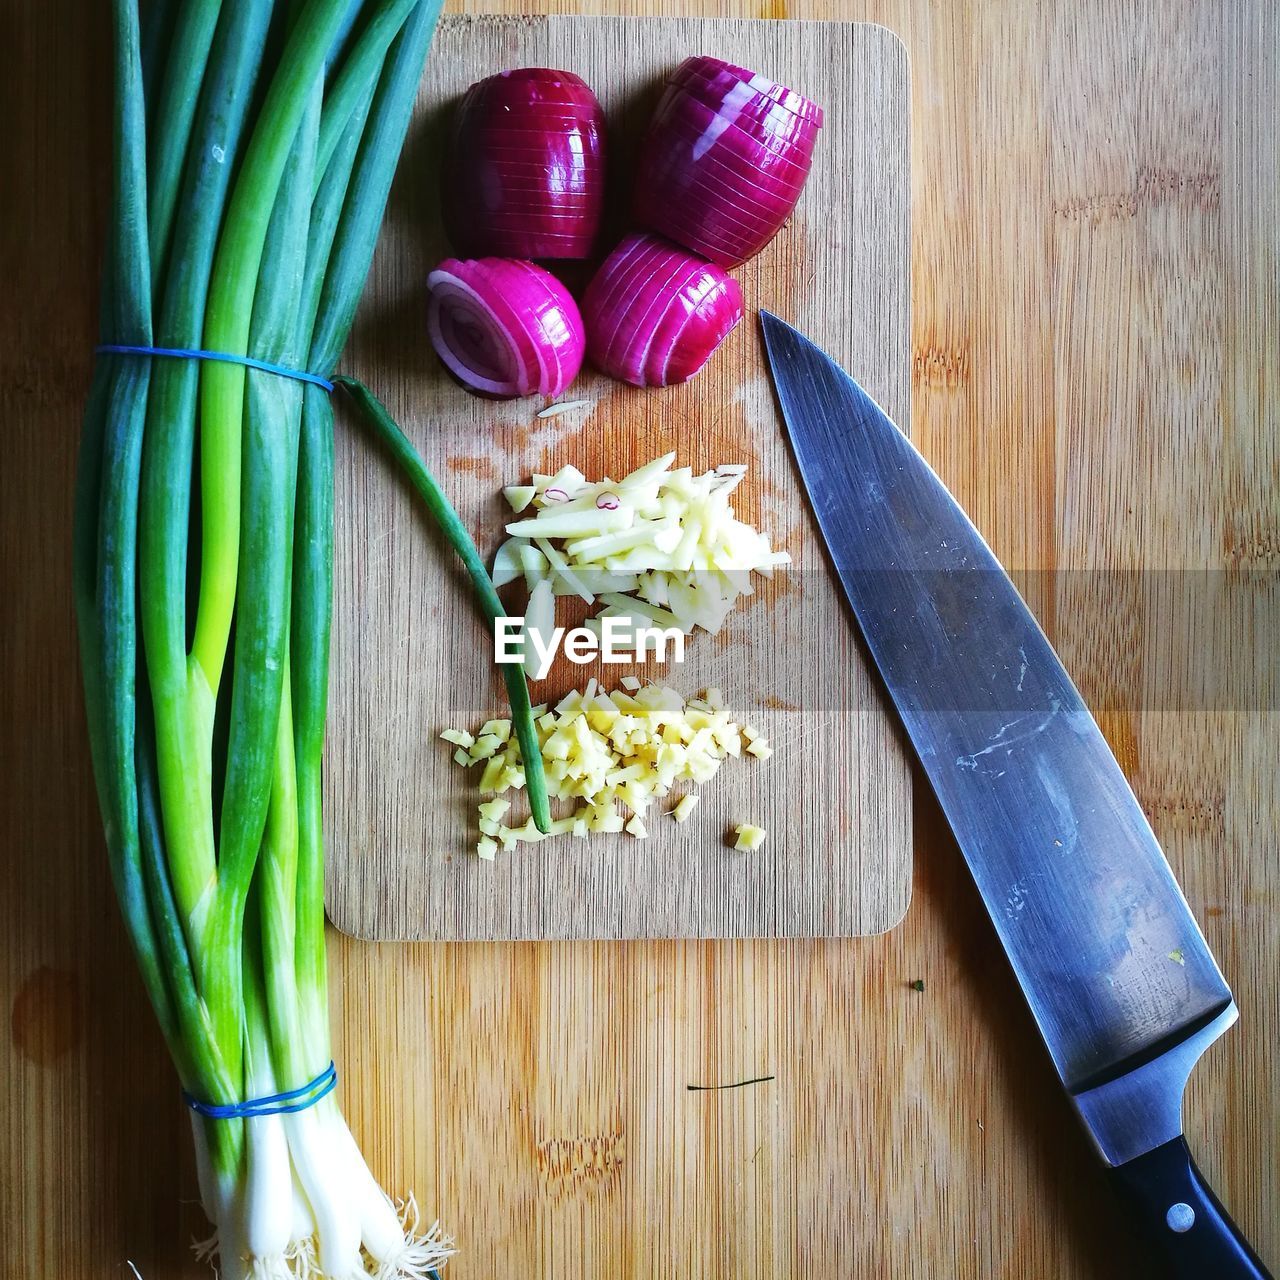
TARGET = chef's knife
x,y
1118,975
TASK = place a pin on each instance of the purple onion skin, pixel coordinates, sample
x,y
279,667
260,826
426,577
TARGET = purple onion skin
x,y
724,161
524,172
655,313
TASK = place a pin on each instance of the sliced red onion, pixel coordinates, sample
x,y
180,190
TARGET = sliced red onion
x,y
608,502
554,494
768,129
702,69
504,328
724,160
782,152
655,313
524,172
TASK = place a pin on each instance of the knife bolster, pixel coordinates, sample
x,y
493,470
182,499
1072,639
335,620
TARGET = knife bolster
x,y
1141,1109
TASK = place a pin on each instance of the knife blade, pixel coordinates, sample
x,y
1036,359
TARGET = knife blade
x,y
1121,982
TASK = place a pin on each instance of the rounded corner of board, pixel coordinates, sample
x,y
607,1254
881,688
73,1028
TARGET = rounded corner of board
x,y
352,924
893,40
895,911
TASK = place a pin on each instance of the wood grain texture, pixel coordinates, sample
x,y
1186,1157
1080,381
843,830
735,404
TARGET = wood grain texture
x,y
410,656
1095,386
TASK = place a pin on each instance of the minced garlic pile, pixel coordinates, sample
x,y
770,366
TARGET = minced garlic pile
x,y
626,748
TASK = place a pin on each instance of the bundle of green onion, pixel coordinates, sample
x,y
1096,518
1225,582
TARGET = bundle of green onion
x,y
254,148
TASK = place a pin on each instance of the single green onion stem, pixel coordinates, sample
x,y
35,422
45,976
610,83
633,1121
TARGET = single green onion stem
x,y
309,692
375,415
184,70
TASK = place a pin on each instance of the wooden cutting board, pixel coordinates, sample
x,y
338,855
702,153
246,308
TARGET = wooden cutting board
x,y
410,656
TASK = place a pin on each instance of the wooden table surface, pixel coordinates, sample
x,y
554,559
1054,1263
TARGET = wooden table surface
x,y
1096,375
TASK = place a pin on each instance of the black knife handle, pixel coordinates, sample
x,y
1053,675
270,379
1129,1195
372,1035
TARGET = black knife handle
x,y
1179,1211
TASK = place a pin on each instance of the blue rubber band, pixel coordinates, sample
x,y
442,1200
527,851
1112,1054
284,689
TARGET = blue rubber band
x,y
183,353
275,1104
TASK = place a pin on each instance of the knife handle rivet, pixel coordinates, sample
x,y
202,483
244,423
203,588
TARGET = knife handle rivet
x,y
1181,1217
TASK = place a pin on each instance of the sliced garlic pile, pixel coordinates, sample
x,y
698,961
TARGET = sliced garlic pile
x,y
661,546
607,752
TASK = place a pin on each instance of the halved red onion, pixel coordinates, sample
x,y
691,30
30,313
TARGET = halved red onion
x,y
655,313
524,170
504,328
724,160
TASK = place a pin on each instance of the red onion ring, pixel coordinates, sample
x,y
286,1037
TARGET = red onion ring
x,y
504,328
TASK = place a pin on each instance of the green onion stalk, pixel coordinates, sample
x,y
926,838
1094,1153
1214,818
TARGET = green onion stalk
x,y
379,421
253,150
